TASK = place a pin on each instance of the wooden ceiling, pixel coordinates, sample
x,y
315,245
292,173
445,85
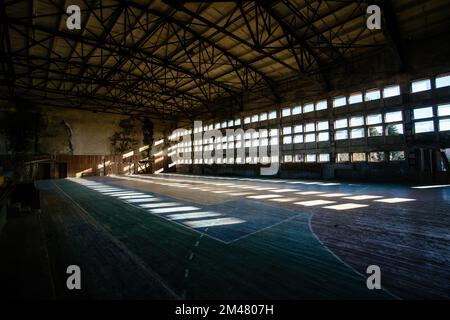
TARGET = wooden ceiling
x,y
172,59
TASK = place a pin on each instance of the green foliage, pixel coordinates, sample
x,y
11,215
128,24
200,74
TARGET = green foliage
x,y
374,132
124,140
147,139
392,130
147,131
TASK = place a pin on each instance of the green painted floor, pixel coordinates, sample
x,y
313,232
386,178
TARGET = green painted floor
x,y
285,261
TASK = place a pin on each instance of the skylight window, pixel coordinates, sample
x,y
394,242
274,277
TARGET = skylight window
x,y
443,80
443,110
310,127
374,119
310,158
341,134
391,91
355,98
340,123
321,105
298,128
339,102
272,115
309,107
323,136
393,116
322,125
286,112
310,137
423,126
287,140
298,138
423,113
296,110
373,94
356,121
263,116
324,157
420,85
444,125
287,130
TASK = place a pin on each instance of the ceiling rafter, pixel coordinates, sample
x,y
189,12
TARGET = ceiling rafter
x,y
187,58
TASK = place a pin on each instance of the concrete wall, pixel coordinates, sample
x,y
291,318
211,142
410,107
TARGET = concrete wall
x,y
76,132
80,132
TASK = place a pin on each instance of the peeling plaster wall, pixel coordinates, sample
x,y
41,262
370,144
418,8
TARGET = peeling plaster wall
x,y
80,132
76,132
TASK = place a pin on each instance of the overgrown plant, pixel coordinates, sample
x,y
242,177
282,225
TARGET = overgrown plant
x,y
125,139
147,132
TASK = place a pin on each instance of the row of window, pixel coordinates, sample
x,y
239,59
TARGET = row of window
x,y
237,160
420,85
377,156
369,95
424,118
345,128
440,81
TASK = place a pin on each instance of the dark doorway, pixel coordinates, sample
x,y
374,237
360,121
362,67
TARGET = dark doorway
x,y
44,171
62,170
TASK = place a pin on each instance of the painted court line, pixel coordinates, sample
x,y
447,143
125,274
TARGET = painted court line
x,y
156,214
120,245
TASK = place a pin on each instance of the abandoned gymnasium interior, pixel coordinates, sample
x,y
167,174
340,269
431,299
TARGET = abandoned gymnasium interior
x,y
225,150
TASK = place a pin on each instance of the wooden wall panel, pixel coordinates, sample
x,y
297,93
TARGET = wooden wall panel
x,y
92,165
